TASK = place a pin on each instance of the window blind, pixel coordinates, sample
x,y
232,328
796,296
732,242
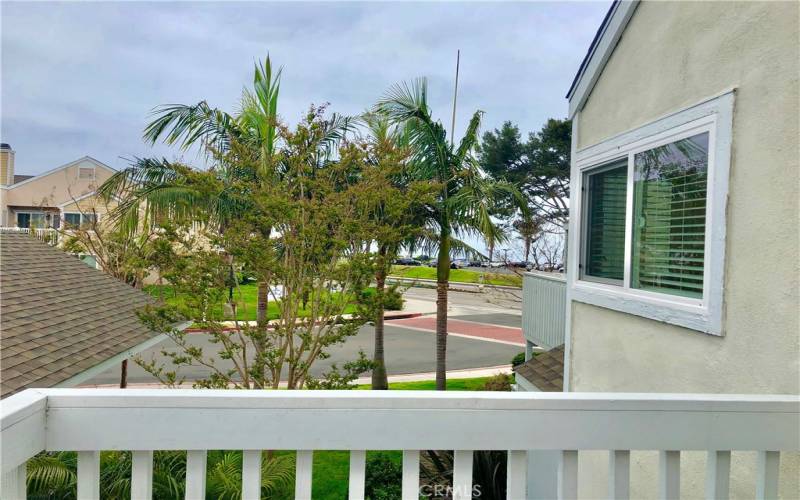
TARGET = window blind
x,y
605,230
669,226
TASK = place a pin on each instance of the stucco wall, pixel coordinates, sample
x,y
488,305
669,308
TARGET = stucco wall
x,y
56,188
673,55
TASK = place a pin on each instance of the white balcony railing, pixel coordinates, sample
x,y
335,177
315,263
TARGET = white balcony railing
x,y
47,235
89,420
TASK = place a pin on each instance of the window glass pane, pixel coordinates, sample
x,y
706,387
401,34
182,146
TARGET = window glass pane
x,y
23,220
37,220
669,212
72,220
604,254
89,218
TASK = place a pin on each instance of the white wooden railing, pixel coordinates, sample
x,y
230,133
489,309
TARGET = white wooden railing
x,y
89,420
47,235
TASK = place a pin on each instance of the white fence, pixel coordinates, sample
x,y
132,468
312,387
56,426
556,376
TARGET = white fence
x,y
544,303
90,420
48,235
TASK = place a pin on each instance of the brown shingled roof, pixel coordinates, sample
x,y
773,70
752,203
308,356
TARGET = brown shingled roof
x,y
545,370
58,316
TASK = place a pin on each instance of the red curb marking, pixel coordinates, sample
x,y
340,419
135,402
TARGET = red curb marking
x,y
470,328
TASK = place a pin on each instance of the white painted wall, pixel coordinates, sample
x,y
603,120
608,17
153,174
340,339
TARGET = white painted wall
x,y
672,55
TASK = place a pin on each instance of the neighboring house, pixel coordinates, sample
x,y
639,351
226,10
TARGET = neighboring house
x,y
62,322
682,272
63,195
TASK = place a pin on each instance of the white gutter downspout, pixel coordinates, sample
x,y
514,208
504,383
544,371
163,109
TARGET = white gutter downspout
x,y
572,246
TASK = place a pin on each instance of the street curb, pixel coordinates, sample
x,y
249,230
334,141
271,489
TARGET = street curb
x,y
402,315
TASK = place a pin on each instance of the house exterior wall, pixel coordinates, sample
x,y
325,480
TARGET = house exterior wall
x,y
56,188
673,55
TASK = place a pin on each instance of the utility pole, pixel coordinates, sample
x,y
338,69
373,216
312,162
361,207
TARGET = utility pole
x,y
455,98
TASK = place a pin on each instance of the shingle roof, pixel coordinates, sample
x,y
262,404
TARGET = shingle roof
x,y
58,316
545,370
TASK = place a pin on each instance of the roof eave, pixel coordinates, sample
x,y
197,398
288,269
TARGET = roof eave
x,y
602,46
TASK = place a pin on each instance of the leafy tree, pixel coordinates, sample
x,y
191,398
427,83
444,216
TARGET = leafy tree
x,y
311,200
464,200
120,254
168,190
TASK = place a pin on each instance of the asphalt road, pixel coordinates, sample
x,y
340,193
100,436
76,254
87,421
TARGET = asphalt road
x,y
407,350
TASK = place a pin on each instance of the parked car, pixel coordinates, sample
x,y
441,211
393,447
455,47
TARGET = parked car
x,y
524,264
459,264
406,261
496,264
477,263
433,263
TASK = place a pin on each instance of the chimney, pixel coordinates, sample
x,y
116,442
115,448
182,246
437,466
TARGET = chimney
x,y
6,164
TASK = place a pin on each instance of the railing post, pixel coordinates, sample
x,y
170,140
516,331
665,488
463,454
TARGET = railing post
x,y
88,475
303,474
358,474
12,484
718,474
619,474
196,463
251,475
767,478
142,475
669,477
410,474
517,474
462,475
568,475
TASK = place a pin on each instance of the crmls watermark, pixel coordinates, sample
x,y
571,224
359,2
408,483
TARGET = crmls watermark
x,y
447,491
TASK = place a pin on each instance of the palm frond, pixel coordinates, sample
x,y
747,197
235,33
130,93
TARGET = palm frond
x,y
186,125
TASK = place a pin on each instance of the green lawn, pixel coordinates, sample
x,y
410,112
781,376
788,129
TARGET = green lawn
x,y
458,275
246,297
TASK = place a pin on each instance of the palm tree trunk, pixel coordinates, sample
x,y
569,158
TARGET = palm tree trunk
x,y
527,247
380,380
442,281
262,302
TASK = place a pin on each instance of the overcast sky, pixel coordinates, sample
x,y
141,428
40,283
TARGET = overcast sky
x,y
80,78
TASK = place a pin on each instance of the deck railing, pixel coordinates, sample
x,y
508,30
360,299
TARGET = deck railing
x,y
90,420
544,303
47,235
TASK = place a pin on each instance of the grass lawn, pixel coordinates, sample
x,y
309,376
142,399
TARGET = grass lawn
x,y
246,297
460,275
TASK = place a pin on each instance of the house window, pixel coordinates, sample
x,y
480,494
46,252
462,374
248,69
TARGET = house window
x,y
604,257
31,219
76,219
670,185
72,220
651,218
86,173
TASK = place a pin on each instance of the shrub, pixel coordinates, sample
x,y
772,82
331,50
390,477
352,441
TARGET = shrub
x,y
393,300
518,359
384,477
500,382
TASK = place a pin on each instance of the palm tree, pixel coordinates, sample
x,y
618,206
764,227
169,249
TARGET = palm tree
x,y
466,196
166,189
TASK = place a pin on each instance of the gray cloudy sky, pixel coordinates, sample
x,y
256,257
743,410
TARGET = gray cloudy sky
x,y
79,78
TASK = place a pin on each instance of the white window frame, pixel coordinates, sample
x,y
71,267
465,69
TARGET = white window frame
x,y
715,116
81,214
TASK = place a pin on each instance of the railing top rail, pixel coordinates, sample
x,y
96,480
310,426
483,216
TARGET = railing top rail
x,y
559,277
187,419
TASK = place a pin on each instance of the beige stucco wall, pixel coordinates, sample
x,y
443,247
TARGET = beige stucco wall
x,y
672,55
54,189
